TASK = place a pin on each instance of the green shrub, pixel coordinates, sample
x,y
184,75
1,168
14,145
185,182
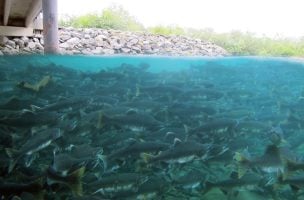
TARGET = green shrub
x,y
167,30
110,18
239,43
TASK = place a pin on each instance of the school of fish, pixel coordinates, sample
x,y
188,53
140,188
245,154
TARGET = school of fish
x,y
128,133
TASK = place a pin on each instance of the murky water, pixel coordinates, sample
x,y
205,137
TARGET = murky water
x,y
76,127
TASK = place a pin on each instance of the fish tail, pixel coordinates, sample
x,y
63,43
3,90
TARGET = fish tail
x,y
241,160
42,83
13,155
45,80
75,184
12,165
146,157
26,85
241,171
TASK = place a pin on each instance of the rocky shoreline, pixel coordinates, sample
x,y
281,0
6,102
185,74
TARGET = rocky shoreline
x,y
107,42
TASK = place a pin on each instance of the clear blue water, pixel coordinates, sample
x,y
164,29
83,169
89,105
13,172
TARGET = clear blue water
x,y
144,127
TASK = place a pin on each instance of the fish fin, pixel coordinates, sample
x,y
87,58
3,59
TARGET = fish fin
x,y
76,184
103,159
176,142
169,135
35,108
146,157
284,142
131,111
132,141
13,155
30,158
241,171
82,114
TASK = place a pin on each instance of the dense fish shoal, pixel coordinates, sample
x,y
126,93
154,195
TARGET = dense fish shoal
x,y
229,128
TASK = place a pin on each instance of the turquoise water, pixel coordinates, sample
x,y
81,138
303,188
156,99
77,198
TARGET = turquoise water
x,y
95,63
145,127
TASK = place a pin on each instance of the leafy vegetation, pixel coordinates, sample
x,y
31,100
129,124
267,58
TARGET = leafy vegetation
x,y
167,30
239,43
235,42
110,18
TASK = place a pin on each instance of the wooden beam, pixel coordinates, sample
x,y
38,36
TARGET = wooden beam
x,y
50,26
13,21
15,31
34,10
7,10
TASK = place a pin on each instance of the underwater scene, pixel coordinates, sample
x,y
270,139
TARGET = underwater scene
x,y
151,128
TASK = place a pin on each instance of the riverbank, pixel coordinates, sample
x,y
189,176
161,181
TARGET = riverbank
x,y
91,41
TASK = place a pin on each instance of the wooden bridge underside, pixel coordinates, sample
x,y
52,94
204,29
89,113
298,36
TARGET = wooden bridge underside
x,y
19,17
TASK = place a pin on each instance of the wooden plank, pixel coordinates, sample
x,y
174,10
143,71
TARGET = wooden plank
x,y
7,10
34,10
15,31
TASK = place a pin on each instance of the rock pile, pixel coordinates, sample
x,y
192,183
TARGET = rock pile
x,y
101,41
